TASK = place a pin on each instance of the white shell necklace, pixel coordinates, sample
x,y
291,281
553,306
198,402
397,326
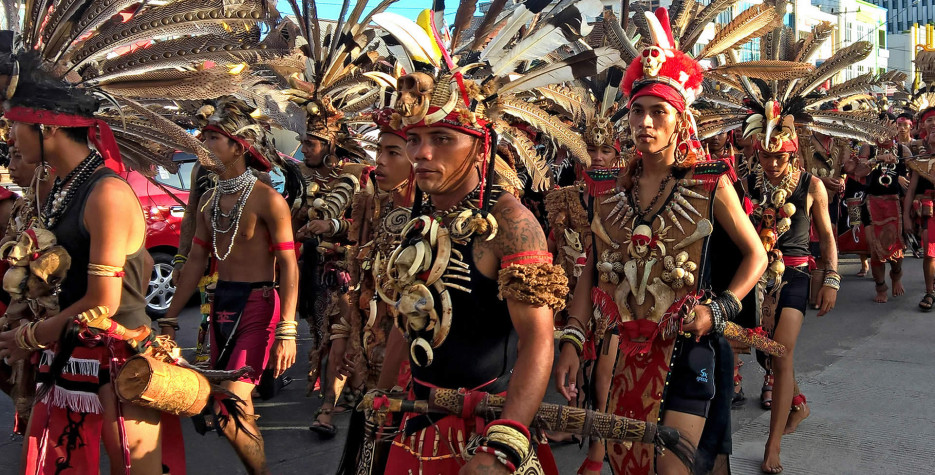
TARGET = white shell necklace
x,y
242,184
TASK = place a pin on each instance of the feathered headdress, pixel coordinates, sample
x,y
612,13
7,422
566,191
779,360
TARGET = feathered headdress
x,y
244,124
600,128
136,65
487,86
344,74
916,99
771,103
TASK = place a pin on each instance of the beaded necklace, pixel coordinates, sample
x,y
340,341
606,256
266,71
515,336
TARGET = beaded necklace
x,y
640,211
64,190
242,184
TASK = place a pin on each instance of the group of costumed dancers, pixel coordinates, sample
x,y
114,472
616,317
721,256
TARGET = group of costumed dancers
x,y
549,190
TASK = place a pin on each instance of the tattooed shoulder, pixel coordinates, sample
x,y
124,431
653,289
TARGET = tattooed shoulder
x,y
518,229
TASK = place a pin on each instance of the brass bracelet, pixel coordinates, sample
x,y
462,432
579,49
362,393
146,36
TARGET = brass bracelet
x,y
101,270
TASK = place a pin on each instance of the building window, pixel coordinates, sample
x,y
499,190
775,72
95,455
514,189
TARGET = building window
x,y
881,39
847,34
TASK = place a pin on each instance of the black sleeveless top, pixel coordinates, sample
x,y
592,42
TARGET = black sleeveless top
x,y
481,346
71,234
794,242
893,172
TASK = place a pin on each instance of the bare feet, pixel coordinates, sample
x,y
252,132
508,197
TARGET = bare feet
x,y
881,292
864,267
898,288
796,416
771,462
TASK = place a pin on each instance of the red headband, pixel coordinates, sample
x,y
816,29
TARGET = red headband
x,y
454,121
260,162
927,114
663,91
788,146
99,133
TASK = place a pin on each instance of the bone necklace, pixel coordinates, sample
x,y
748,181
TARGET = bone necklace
x,y
242,184
773,216
425,261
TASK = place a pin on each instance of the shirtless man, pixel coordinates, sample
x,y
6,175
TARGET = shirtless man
x,y
245,224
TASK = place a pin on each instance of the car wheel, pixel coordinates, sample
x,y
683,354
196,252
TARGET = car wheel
x,y
161,290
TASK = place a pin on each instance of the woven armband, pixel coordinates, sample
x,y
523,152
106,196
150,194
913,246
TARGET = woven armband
x,y
540,284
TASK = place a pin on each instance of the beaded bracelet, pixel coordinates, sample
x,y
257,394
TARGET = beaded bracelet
x,y
510,437
718,318
179,259
500,456
832,283
732,298
573,335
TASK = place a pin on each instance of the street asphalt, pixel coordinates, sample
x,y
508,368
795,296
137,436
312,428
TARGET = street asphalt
x,y
865,368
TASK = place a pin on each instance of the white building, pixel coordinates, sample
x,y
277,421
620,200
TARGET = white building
x,y
902,14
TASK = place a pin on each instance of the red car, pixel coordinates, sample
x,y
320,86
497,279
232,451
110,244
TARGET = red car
x,y
163,215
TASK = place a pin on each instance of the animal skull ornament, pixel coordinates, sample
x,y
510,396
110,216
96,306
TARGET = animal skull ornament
x,y
653,58
599,131
573,240
418,306
769,219
641,241
415,92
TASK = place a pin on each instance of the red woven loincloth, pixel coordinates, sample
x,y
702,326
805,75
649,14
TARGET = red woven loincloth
x,y
254,333
65,427
884,233
636,392
928,222
438,447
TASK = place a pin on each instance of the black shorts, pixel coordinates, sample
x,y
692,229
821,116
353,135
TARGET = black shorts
x,y
795,293
691,384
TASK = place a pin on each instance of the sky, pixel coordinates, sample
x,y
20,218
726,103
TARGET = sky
x,y
329,9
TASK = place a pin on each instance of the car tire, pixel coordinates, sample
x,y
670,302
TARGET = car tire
x,y
160,291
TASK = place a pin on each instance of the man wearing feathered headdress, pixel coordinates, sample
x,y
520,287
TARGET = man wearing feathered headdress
x,y
789,200
96,221
921,188
490,245
647,276
472,279
881,169
336,84
245,225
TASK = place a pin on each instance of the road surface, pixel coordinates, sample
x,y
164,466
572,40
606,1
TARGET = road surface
x,y
865,368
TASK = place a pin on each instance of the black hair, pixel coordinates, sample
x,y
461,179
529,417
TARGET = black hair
x,y
925,111
77,134
37,89
905,115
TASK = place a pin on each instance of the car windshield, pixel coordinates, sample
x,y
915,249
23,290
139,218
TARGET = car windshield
x,y
180,180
